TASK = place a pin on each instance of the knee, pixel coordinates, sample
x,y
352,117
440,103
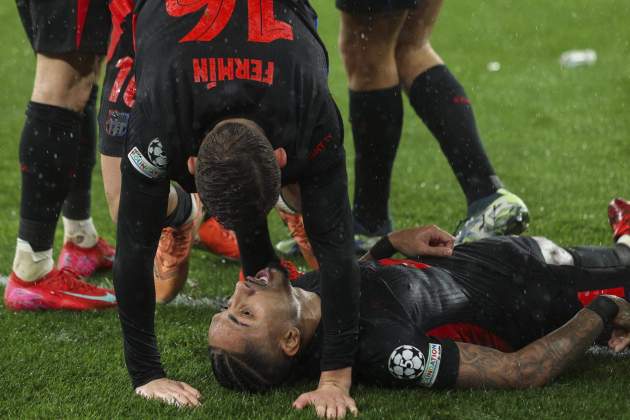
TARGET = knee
x,y
370,64
552,253
414,57
355,52
65,81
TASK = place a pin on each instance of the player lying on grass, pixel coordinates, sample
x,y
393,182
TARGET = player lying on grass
x,y
504,312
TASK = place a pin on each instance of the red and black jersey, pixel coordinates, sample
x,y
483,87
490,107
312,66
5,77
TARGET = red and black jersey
x,y
497,292
119,86
200,62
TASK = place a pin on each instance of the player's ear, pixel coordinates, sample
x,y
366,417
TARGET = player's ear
x,y
281,157
290,341
192,164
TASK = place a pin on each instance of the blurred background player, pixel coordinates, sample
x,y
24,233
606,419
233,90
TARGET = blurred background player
x,y
385,46
57,155
185,226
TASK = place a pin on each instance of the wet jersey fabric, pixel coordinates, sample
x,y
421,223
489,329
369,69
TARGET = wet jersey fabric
x,y
195,65
119,85
193,71
496,292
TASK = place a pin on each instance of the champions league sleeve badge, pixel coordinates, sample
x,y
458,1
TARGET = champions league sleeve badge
x,y
406,362
156,153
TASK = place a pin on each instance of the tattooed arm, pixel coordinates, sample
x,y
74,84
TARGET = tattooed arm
x,y
534,365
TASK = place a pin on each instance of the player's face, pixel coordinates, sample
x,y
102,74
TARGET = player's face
x,y
259,312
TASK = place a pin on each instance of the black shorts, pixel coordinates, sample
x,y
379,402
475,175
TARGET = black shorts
x,y
375,6
521,295
65,26
119,86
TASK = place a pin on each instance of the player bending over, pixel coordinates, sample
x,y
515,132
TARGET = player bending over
x,y
177,237
504,312
235,93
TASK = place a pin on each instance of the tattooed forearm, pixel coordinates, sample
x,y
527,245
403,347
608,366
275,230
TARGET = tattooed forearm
x,y
532,366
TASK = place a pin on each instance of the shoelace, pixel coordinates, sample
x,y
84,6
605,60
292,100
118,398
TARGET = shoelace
x,y
175,241
103,247
228,235
296,229
68,279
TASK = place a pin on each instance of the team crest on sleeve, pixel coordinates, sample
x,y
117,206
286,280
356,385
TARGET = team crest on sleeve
x,y
406,362
116,123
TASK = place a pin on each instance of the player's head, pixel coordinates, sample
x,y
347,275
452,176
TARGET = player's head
x,y
254,341
237,174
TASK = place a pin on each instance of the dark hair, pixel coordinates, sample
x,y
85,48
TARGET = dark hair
x,y
237,176
252,371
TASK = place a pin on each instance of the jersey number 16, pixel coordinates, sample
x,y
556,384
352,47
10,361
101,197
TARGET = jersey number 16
x,y
262,25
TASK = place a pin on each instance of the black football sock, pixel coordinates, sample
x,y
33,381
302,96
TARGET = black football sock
x,y
441,102
48,156
376,118
600,257
77,204
596,268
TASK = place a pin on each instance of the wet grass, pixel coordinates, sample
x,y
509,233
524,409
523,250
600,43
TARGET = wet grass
x,y
559,138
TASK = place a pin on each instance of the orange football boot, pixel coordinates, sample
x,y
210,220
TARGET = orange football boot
x,y
218,240
295,224
170,266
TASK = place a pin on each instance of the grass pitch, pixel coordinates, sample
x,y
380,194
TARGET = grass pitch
x,y
559,138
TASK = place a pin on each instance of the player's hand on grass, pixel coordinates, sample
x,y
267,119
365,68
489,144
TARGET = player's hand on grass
x,y
332,397
619,340
171,392
426,240
622,320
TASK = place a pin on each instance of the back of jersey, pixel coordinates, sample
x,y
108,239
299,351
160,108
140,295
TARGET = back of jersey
x,y
200,62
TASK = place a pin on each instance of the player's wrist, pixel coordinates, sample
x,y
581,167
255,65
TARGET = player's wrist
x,y
339,377
605,307
383,248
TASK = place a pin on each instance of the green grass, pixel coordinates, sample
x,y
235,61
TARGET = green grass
x,y
559,138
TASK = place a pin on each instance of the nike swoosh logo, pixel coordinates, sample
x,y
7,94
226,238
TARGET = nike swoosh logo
x,y
107,298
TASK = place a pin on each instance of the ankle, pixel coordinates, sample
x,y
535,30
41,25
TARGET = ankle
x,y
29,265
80,232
